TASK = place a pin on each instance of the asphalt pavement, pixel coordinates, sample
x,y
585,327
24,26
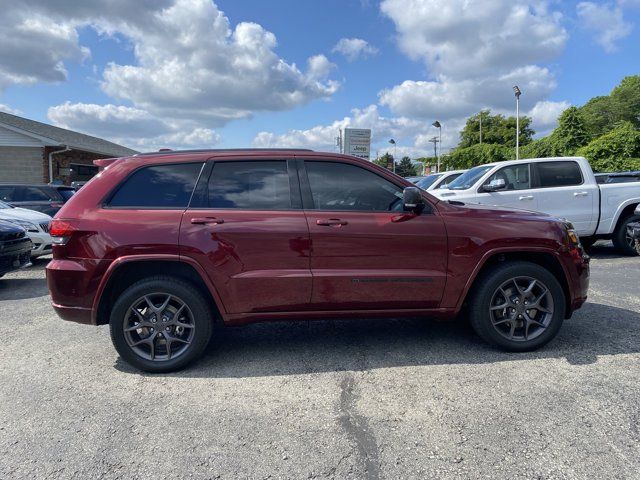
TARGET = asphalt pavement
x,y
342,399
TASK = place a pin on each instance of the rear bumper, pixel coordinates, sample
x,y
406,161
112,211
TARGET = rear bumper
x,y
73,284
73,314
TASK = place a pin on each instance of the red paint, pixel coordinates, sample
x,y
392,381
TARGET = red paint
x,y
297,264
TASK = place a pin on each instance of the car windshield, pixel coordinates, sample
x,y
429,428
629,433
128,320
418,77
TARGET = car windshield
x,y
427,181
469,178
4,205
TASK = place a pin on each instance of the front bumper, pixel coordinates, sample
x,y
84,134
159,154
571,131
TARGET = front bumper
x,y
14,254
42,243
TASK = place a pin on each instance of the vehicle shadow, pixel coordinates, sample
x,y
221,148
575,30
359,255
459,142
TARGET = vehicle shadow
x,y
22,288
13,287
294,348
604,250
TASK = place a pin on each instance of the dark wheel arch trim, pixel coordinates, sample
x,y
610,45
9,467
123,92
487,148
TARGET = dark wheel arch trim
x,y
129,259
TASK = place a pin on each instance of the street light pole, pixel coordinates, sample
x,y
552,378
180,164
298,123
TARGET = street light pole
x,y
517,91
393,168
438,125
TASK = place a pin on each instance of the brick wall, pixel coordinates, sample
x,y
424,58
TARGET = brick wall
x,y
21,164
63,160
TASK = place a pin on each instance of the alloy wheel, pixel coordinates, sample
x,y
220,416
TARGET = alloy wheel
x,y
521,309
159,327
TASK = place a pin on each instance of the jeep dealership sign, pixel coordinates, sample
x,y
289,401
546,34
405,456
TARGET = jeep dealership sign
x,y
357,142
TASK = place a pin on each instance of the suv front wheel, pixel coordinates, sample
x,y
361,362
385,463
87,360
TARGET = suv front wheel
x,y
160,324
517,306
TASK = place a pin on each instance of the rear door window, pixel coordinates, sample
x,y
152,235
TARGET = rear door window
x,y
250,185
32,194
158,186
558,174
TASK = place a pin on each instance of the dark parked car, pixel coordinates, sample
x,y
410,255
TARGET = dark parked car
x,y
165,247
623,177
65,191
43,198
15,247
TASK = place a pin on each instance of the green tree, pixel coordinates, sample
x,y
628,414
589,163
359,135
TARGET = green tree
x,y
496,130
570,134
406,168
476,155
617,150
601,114
385,161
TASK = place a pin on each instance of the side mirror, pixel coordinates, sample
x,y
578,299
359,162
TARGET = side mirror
x,y
412,199
495,185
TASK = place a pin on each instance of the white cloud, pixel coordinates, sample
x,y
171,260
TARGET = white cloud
x,y
131,126
354,48
606,21
8,109
189,60
544,115
33,48
474,38
323,137
451,98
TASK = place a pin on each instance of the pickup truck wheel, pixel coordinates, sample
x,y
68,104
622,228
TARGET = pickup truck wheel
x,y
622,240
160,324
518,306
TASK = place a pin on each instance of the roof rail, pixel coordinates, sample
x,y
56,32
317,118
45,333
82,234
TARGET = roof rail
x,y
164,151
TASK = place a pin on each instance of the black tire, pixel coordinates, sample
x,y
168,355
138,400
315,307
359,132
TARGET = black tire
x,y
587,242
620,240
202,319
485,287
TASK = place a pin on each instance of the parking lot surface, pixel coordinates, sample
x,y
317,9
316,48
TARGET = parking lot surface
x,y
328,399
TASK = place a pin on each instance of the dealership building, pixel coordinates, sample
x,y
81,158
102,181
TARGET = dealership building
x,y
35,152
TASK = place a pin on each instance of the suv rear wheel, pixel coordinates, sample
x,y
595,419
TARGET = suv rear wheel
x,y
518,306
160,324
621,238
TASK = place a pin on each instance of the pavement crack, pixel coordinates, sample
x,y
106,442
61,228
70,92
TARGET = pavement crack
x,y
357,429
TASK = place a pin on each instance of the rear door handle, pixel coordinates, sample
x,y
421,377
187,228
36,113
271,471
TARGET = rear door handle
x,y
525,197
207,221
331,222
580,194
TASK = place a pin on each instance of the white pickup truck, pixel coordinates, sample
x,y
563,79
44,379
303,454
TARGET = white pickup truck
x,y
564,187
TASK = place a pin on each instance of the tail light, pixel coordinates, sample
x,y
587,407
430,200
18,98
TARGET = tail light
x,y
61,231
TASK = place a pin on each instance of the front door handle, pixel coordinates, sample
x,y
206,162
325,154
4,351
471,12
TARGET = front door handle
x,y
580,194
207,221
331,222
525,197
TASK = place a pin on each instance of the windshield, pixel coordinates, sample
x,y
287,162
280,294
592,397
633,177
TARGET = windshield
x,y
427,181
4,205
467,179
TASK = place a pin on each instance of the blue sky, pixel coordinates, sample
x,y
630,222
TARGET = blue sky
x,y
234,73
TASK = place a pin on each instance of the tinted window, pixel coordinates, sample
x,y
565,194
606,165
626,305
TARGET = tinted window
x,y
559,174
427,181
250,185
160,186
516,177
450,178
33,194
66,193
6,194
468,178
339,186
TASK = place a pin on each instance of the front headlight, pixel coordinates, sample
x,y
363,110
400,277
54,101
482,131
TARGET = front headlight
x,y
28,226
574,240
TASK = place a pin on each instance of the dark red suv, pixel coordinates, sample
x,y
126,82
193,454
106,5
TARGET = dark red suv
x,y
167,246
